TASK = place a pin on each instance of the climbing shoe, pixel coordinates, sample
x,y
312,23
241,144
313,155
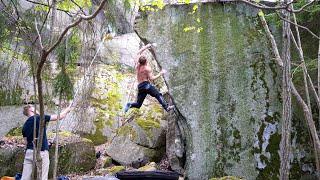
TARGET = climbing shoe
x,y
127,107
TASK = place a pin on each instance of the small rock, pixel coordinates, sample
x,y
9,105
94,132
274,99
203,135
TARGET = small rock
x,y
152,166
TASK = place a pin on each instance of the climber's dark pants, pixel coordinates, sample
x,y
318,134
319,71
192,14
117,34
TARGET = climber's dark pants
x,y
144,89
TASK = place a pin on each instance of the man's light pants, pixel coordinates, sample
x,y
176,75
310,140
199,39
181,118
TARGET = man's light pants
x,y
27,165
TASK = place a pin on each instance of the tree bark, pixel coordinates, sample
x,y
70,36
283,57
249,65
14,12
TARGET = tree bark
x,y
34,165
285,144
56,152
319,78
53,19
43,58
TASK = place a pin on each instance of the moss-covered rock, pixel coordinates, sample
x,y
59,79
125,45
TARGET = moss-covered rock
x,y
76,154
11,161
126,152
107,162
114,169
15,132
227,178
152,166
225,84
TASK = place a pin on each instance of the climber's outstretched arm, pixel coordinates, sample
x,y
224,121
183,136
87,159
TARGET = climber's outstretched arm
x,y
139,54
143,49
152,77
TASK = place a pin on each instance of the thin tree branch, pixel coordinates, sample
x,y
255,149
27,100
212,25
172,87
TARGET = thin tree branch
x,y
16,9
262,6
302,8
44,22
300,26
3,4
39,36
82,17
79,7
272,40
286,7
305,70
42,4
9,14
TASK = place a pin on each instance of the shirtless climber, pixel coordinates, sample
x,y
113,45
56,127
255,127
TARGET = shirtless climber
x,y
144,76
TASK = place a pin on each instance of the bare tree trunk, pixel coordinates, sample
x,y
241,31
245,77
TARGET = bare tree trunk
x,y
42,124
56,152
34,164
285,144
53,20
319,78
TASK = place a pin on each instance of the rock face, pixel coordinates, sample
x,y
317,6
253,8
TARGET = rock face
x,y
15,118
103,95
11,161
75,155
225,85
138,143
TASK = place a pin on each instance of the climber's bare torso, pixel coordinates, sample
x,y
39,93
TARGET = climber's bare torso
x,y
143,73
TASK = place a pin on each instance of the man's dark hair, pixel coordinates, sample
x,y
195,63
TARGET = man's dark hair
x,y
142,60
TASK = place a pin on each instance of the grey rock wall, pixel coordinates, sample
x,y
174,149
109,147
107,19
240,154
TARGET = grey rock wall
x,y
224,83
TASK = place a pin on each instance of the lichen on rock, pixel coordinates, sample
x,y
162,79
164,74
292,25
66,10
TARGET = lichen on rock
x,y
222,77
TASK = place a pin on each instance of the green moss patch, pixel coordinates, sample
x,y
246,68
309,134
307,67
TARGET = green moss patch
x,y
12,97
15,132
113,170
148,125
226,178
127,131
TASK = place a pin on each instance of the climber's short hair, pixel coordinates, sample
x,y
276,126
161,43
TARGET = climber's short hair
x,y
142,60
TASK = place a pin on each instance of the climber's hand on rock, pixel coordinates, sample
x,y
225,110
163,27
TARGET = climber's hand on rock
x,y
163,71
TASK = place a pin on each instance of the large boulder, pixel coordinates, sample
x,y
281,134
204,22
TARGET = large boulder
x,y
14,119
11,156
76,154
104,94
226,86
138,143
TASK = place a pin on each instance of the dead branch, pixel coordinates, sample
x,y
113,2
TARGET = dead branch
x,y
272,40
38,33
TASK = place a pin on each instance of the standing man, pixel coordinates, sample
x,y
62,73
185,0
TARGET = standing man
x,y
144,76
27,132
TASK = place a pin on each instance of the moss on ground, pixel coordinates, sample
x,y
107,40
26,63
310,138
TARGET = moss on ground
x,y
15,132
113,170
107,162
227,178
